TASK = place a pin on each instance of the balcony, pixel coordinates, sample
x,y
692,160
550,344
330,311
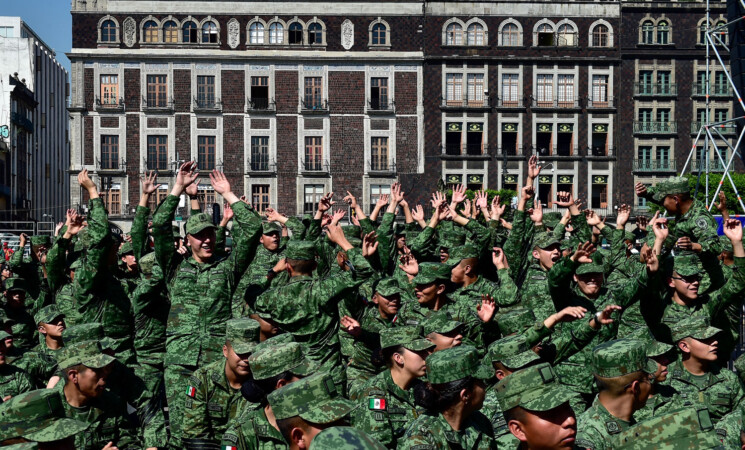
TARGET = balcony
x,y
22,122
464,151
555,103
655,128
261,164
556,40
111,165
602,103
258,105
314,166
725,129
714,165
510,103
314,105
556,152
653,165
378,106
655,89
510,152
381,168
157,106
600,152
207,105
715,90
110,105
481,104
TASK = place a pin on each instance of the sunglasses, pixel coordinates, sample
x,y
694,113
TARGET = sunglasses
x,y
688,279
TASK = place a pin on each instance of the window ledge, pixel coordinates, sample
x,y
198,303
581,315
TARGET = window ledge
x,y
454,46
379,46
107,44
466,157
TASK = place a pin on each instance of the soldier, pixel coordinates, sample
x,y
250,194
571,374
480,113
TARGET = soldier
x,y
85,398
38,416
663,355
273,365
696,377
454,394
387,400
308,406
32,269
681,429
15,309
536,408
214,391
443,331
344,438
731,429
622,373
534,293
41,364
13,380
471,286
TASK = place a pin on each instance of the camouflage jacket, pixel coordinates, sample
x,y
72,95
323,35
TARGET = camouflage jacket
x,y
504,293
699,225
413,313
719,390
729,429
210,404
31,270
23,328
596,426
251,430
431,431
366,361
150,305
201,293
13,381
388,423
534,293
40,364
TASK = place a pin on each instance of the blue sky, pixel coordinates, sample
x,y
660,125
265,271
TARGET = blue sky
x,y
50,19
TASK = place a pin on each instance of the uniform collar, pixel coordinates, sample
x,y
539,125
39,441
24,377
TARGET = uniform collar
x,y
678,371
611,423
395,390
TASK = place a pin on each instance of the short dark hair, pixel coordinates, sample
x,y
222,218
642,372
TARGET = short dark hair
x,y
303,266
286,425
79,368
440,397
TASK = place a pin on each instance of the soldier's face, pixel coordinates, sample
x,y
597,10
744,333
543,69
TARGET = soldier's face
x,y
130,261
426,293
552,429
16,299
458,273
671,204
547,256
444,254
91,382
662,362
54,328
388,306
446,340
238,363
589,283
202,244
703,350
685,287
414,362
270,241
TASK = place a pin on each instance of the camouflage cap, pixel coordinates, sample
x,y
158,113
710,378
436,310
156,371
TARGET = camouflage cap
x,y
456,363
451,239
683,429
697,326
545,240
409,337
621,357
512,351
551,219
726,244
430,272
277,339
687,264
271,360
440,322
300,250
315,399
462,252
271,227
198,222
125,249
15,284
352,231
41,239
589,268
88,353
388,287
92,331
5,335
657,348
4,319
535,388
673,186
515,320
344,438
37,416
47,314
243,334
147,263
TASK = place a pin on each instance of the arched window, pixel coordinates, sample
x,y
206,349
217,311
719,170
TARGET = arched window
x,y
379,34
510,35
545,34
209,33
566,35
296,33
315,33
663,32
170,32
190,32
647,32
256,33
475,34
150,31
454,34
722,33
600,36
108,31
276,33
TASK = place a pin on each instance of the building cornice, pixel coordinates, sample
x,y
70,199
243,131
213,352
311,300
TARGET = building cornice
x,y
240,55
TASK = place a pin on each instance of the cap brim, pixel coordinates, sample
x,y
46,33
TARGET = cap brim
x,y
451,326
520,360
548,244
709,332
547,398
242,348
420,280
59,429
200,227
98,361
306,368
390,293
418,345
51,319
484,372
651,366
328,411
658,349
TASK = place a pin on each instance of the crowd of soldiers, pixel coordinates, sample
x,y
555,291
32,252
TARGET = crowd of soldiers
x,y
486,325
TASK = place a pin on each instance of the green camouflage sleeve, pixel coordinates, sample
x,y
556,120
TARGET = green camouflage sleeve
x,y
559,278
731,293
296,227
514,249
16,260
582,229
367,226
220,239
245,242
418,439
195,425
314,230
626,294
139,231
480,234
536,333
559,231
617,248
386,244
571,340
165,254
507,292
350,281
93,264
56,264
424,246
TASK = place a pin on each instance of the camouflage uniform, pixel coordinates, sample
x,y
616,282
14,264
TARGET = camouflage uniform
x,y
386,410
344,438
534,292
13,381
685,429
32,271
730,427
211,402
23,327
37,416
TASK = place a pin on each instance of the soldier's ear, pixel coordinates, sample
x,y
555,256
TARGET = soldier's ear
x,y
516,428
225,350
536,254
297,436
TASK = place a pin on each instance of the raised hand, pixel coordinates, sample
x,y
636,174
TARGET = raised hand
x,y
481,199
418,213
467,208
438,199
187,174
58,227
219,182
584,252
337,216
409,265
325,220
592,218
533,168
459,194
660,229
536,214
192,190
604,317
505,224
733,230
499,259
74,223
382,200
486,309
650,257
227,213
568,314
642,222
369,244
150,182
641,190
273,215
396,193
564,199
350,200
350,325
622,217
355,220
528,191
326,202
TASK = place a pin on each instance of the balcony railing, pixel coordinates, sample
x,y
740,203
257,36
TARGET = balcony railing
x,y
714,165
600,151
569,40
715,90
463,149
380,106
654,165
261,163
655,89
556,151
207,105
601,103
465,103
22,121
729,128
261,104
555,103
655,127
157,105
510,151
111,164
313,104
314,165
510,103
110,104
381,166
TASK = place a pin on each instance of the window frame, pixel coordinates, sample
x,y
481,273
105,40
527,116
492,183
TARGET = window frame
x,y
206,30
272,32
116,30
257,36
150,34
206,152
386,42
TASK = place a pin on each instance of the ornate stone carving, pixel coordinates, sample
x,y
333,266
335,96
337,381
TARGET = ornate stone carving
x,y
130,32
347,34
234,33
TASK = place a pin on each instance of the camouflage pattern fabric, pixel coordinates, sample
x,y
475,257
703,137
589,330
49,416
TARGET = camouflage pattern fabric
x,y
680,430
344,438
37,416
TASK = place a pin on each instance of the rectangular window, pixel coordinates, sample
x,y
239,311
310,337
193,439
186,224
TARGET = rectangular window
x,y
721,85
376,190
157,88
700,82
207,199
157,197
312,194
663,82
454,89
663,157
600,90
720,115
170,33
113,200
663,115
645,115
701,116
109,89
314,153
645,82
644,155
260,92
379,153
206,152
379,93
205,91
157,152
475,89
109,152
566,91
260,153
509,143
545,90
151,32
599,196
313,92
510,96
260,197
7,32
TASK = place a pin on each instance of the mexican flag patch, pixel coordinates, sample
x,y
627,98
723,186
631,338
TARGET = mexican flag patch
x,y
377,404
229,447
191,391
